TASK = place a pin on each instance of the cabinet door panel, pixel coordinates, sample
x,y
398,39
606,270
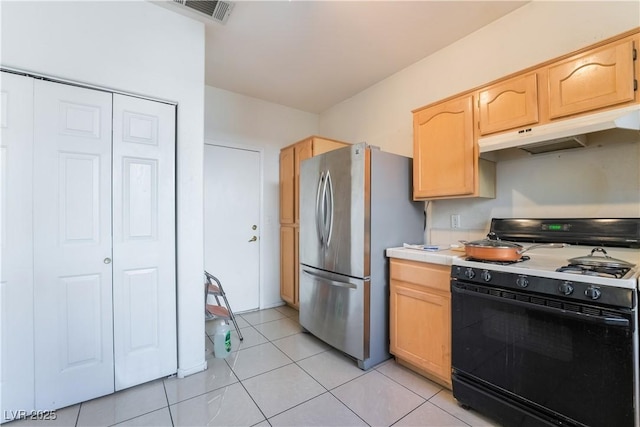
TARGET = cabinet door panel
x,y
287,263
303,151
595,79
296,267
421,331
287,186
444,155
508,105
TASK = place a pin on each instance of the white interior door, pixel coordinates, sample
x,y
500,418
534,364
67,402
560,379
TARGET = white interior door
x,y
144,275
16,246
232,222
72,244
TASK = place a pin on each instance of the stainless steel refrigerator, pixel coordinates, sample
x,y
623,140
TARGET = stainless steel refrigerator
x,y
354,203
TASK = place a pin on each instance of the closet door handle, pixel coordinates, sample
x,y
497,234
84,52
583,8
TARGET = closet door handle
x,y
107,260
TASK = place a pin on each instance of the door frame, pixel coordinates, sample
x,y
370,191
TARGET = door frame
x,y
260,151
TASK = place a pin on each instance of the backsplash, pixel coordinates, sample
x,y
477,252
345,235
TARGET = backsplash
x,y
598,181
443,236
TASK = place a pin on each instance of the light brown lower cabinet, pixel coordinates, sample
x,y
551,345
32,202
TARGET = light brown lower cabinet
x,y
288,264
420,318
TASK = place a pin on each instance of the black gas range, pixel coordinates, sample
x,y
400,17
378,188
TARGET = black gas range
x,y
551,339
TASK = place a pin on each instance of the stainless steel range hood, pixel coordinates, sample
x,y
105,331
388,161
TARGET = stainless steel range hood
x,y
563,134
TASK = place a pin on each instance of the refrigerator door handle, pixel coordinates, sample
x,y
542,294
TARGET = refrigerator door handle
x,y
329,224
329,281
319,208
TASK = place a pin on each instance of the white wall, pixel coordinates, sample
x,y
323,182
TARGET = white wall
x,y
592,182
243,121
136,47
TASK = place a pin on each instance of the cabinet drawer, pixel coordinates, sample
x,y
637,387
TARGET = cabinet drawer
x,y
434,276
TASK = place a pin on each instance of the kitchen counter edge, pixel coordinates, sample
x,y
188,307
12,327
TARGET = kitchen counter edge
x,y
442,257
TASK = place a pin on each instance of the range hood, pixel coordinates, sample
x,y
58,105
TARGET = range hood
x,y
563,134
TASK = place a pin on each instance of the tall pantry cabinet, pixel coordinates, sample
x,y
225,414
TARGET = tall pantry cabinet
x,y
291,158
88,243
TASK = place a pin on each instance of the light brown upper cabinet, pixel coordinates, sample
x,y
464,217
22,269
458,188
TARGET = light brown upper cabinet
x,y
595,79
446,161
445,155
509,104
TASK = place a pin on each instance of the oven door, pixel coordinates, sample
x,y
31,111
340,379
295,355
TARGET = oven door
x,y
556,364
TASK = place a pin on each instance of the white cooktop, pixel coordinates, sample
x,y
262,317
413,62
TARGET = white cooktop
x,y
544,261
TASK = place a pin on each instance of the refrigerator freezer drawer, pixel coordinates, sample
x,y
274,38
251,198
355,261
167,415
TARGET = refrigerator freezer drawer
x,y
335,308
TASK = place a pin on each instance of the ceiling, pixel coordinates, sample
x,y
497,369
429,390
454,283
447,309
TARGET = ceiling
x,y
311,55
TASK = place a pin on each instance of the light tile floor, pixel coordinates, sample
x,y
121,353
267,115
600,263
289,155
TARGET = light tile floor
x,y
277,376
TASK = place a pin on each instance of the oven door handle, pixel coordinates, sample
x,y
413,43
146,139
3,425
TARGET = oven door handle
x,y
601,320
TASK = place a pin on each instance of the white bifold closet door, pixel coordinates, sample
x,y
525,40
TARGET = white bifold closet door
x,y
104,243
144,284
16,250
72,244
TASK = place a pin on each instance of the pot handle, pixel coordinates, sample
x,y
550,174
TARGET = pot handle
x,y
543,245
604,253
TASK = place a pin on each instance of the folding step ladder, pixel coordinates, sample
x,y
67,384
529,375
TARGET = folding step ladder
x,y
218,311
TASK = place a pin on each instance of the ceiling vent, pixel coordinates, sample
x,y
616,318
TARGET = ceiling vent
x,y
219,11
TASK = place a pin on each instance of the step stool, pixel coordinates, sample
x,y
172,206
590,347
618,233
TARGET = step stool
x,y
218,311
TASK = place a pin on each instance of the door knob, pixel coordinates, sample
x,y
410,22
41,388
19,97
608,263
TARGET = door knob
x,y
253,239
107,261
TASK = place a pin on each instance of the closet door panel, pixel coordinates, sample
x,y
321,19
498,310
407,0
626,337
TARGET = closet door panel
x,y
16,246
72,244
144,240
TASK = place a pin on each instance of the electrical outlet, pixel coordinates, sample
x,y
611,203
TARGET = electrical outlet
x,y
455,221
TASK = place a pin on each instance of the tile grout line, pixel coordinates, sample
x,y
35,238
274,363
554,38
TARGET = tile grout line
x,y
78,415
438,406
295,362
242,383
330,391
168,405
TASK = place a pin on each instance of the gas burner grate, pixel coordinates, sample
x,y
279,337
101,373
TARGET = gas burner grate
x,y
484,261
593,270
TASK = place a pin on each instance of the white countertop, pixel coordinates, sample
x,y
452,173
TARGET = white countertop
x,y
442,257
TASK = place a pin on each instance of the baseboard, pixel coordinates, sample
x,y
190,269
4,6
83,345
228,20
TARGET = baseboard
x,y
193,370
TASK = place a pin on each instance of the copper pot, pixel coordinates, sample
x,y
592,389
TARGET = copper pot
x,y
494,249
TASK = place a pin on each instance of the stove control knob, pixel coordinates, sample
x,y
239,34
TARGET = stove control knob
x,y
522,281
486,276
565,288
469,273
593,292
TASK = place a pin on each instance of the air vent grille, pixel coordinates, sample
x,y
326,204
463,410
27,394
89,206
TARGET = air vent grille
x,y
206,7
556,144
217,10
222,11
